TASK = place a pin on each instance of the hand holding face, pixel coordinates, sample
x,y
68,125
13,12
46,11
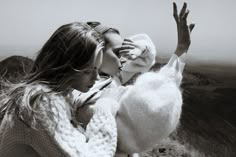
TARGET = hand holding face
x,y
183,29
129,49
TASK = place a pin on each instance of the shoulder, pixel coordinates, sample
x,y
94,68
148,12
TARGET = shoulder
x,y
40,105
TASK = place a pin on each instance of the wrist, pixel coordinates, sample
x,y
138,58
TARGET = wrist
x,y
180,50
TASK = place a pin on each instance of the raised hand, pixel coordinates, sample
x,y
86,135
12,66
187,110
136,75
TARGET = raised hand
x,y
183,29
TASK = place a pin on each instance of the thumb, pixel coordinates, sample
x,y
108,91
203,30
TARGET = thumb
x,y
191,26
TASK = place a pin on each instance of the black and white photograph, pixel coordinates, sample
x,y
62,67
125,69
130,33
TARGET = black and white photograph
x,y
118,78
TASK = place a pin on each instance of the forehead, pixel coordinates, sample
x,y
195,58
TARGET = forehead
x,y
113,39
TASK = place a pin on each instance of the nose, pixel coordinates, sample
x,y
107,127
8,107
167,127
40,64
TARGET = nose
x,y
96,75
120,67
123,60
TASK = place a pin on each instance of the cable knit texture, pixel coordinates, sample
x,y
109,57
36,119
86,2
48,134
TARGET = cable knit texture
x,y
54,135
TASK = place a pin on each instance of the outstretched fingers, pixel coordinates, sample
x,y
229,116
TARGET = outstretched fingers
x,y
128,40
128,44
183,10
184,17
123,49
180,18
175,13
129,56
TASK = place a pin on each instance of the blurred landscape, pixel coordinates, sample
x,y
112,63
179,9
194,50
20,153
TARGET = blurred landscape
x,y
208,122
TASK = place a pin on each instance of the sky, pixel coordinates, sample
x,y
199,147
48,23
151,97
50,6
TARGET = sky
x,y
27,24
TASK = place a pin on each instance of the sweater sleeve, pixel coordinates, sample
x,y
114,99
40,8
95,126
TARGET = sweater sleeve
x,y
99,139
143,63
151,108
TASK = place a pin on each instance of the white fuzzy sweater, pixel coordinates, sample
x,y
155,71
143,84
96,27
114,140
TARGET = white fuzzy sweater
x,y
150,109
54,135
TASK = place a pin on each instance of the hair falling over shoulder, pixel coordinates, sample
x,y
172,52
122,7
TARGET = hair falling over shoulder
x,y
71,46
23,100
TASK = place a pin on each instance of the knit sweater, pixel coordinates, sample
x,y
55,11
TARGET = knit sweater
x,y
54,135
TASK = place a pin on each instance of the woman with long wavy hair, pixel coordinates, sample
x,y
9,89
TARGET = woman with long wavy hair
x,y
37,113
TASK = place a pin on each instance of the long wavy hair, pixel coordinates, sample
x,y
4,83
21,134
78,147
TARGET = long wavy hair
x,y
72,46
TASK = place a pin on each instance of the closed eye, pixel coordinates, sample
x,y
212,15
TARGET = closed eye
x,y
90,70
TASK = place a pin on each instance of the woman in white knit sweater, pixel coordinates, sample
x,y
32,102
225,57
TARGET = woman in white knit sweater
x,y
150,109
38,117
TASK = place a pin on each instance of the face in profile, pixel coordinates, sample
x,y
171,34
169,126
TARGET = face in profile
x,y
83,80
111,64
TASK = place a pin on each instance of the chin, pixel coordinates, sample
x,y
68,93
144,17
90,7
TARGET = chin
x,y
113,74
109,72
83,90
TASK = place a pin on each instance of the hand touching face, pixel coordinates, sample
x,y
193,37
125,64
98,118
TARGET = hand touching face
x,y
111,64
117,51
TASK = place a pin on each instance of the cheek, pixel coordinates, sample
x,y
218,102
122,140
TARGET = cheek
x,y
107,67
110,63
80,81
86,78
